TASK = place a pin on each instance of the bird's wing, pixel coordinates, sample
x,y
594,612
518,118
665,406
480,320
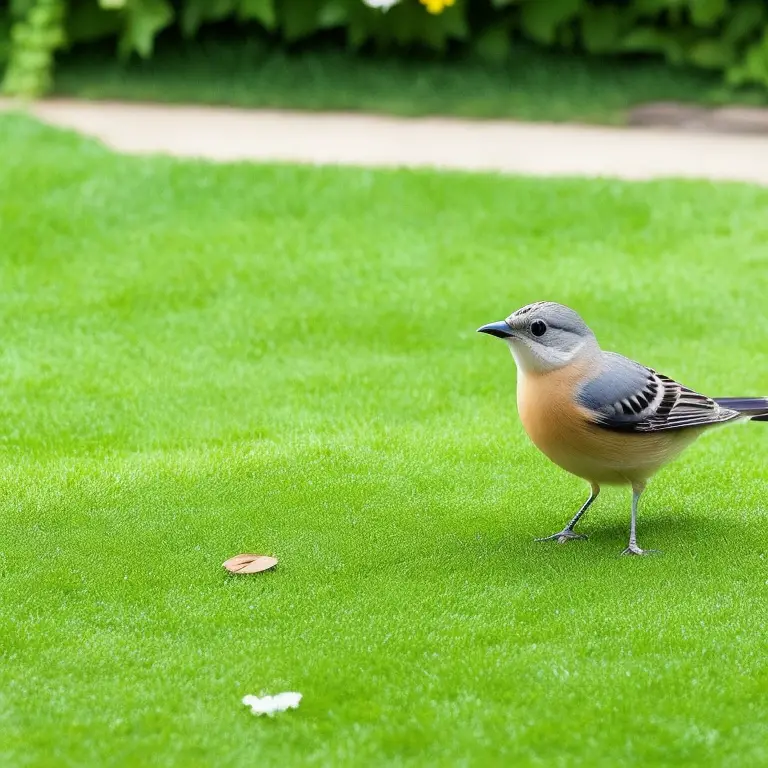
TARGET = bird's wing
x,y
627,396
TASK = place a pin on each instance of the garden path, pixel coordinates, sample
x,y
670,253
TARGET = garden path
x,y
225,134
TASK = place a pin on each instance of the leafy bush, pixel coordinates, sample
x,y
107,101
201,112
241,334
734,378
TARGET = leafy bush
x,y
730,36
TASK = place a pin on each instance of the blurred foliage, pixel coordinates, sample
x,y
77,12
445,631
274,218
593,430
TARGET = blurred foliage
x,y
728,36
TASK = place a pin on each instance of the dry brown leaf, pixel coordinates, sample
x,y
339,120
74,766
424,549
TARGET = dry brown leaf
x,y
250,563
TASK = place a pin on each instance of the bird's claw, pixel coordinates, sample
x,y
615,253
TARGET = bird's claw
x,y
633,549
563,536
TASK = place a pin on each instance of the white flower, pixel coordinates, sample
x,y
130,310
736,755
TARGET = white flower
x,y
268,705
384,5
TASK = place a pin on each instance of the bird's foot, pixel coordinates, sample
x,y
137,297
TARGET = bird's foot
x,y
633,549
563,536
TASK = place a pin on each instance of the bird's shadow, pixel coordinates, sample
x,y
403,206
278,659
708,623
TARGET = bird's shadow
x,y
674,535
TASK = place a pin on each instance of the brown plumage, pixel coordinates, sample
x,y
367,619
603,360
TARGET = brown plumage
x,y
565,432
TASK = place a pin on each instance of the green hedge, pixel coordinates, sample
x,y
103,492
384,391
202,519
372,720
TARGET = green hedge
x,y
729,36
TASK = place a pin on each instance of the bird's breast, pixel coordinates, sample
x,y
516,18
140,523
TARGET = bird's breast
x,y
565,433
548,410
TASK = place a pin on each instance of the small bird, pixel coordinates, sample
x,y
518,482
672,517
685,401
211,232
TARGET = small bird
x,y
599,415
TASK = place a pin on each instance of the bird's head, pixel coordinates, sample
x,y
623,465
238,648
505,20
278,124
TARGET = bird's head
x,y
544,336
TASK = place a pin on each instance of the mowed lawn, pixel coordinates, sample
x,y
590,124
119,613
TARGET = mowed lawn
x,y
201,360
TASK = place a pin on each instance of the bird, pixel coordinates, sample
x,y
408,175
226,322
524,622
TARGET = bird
x,y
599,415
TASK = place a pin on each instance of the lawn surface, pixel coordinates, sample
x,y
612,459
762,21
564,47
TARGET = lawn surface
x,y
203,360
533,85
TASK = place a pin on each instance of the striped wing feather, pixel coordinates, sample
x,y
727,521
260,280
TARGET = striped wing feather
x,y
662,403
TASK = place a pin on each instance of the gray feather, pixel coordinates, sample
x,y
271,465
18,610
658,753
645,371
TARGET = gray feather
x,y
620,379
625,395
555,315
757,406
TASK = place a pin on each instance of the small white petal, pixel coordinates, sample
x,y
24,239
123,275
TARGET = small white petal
x,y
288,700
384,5
269,705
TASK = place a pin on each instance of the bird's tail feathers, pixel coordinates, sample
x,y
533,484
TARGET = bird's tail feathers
x,y
754,407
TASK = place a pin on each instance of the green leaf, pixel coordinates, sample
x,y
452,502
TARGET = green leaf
x,y
20,8
33,60
40,16
674,51
645,39
334,13
409,23
601,28
361,24
298,18
195,12
144,19
745,19
676,15
706,13
453,21
88,21
192,15
711,54
493,45
650,7
650,40
565,37
358,34
754,67
541,18
262,11
217,10
5,38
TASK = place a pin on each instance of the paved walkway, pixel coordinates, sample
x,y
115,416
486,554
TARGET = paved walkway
x,y
537,149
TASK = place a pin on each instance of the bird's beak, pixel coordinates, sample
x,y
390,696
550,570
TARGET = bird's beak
x,y
501,329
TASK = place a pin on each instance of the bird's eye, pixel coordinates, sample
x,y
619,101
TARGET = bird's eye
x,y
538,327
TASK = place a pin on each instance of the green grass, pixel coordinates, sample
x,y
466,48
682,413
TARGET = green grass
x,y
201,360
533,85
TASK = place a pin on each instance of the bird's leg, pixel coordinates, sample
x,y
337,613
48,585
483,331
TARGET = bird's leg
x,y
632,548
568,532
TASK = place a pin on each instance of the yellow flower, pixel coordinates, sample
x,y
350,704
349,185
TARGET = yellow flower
x,y
436,6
